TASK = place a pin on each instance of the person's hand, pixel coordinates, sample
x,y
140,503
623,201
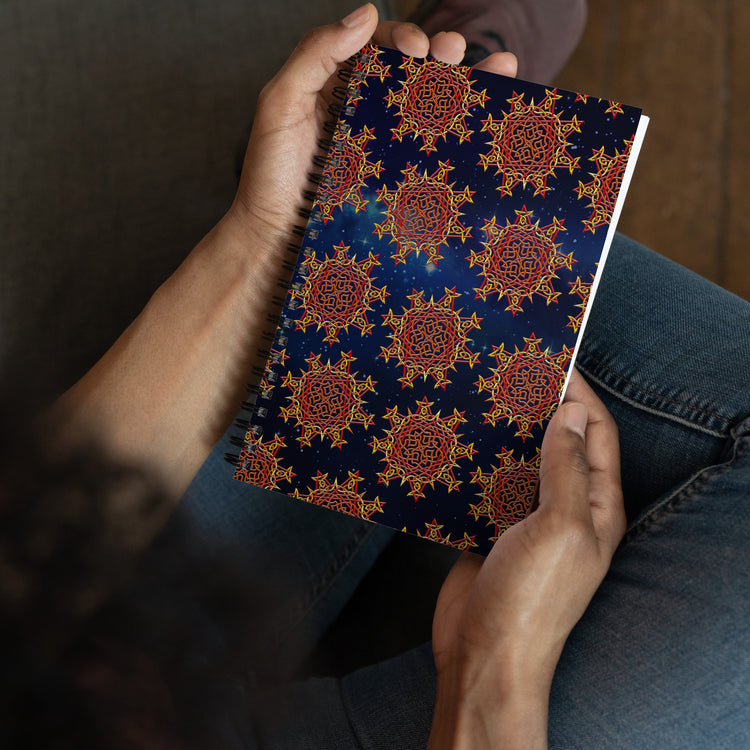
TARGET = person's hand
x,y
501,623
293,108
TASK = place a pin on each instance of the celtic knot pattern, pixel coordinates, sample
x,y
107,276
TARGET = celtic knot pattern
x,y
368,65
338,293
258,464
430,338
603,190
341,497
421,448
525,387
326,400
434,100
434,531
507,491
452,213
519,260
529,143
345,174
422,213
583,292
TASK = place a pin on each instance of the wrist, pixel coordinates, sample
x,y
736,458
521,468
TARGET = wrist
x,y
489,703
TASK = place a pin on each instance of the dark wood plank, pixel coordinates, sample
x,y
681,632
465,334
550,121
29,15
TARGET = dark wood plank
x,y
587,69
667,57
737,248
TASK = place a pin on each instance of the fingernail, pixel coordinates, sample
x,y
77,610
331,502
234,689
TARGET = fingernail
x,y
356,17
575,417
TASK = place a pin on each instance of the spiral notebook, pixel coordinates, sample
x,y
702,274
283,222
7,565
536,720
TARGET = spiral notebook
x,y
459,229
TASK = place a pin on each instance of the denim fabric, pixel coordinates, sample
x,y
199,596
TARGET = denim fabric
x,y
661,657
313,556
668,352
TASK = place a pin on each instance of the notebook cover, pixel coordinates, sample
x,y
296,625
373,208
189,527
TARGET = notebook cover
x,y
458,234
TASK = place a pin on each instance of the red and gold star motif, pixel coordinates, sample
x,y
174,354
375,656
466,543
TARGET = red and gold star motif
x,y
583,291
614,109
345,174
603,190
366,66
434,532
525,386
341,497
507,491
519,260
433,101
529,143
430,338
421,448
422,213
258,464
327,399
338,293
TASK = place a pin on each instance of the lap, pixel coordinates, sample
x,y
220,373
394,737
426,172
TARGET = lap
x,y
660,658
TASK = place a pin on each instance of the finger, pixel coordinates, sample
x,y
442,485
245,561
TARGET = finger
x,y
564,470
405,37
318,55
603,453
504,63
602,446
448,47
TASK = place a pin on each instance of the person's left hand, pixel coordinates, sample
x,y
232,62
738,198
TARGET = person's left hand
x,y
501,622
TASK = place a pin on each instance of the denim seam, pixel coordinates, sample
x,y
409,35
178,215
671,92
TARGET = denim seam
x,y
325,580
684,492
648,409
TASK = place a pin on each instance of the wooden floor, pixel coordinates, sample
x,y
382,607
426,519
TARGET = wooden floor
x,y
687,64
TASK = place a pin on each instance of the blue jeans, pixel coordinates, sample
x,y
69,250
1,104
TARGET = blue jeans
x,y
662,656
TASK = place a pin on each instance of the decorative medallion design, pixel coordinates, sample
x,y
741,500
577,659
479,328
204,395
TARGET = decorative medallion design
x,y
326,400
526,385
422,213
338,293
519,260
421,448
529,143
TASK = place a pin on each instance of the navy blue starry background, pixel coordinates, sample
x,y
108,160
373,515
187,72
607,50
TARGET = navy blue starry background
x,y
548,322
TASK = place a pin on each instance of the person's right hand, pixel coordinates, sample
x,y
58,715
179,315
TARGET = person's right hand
x,y
501,623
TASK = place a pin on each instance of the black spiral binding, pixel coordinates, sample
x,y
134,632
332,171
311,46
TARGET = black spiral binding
x,y
275,339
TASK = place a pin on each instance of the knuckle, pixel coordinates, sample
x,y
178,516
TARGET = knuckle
x,y
568,457
311,38
575,534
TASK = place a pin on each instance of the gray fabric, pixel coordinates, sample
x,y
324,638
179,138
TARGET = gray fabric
x,y
123,126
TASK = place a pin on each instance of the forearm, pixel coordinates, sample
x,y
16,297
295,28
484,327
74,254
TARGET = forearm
x,y
166,390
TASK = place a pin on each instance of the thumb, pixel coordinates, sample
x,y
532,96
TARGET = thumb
x,y
564,471
319,53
